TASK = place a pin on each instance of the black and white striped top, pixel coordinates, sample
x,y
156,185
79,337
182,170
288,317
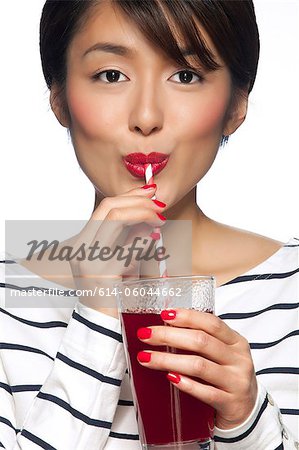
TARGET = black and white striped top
x,y
63,379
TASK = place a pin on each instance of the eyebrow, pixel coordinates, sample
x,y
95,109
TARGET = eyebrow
x,y
121,50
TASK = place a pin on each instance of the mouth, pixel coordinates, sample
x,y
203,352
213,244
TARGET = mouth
x,y
136,163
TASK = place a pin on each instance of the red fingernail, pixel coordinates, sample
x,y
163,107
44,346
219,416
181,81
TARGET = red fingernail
x,y
155,236
160,216
149,186
158,203
168,314
144,333
144,357
173,377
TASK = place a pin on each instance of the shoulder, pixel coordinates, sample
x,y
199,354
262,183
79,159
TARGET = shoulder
x,y
240,239
251,247
250,251
239,251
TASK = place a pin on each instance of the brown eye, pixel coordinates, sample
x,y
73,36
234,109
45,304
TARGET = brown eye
x,y
188,77
109,76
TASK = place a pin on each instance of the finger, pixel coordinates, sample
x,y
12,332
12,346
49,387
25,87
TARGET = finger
x,y
123,201
137,195
119,218
111,208
147,190
208,394
100,213
198,320
121,260
192,365
109,232
196,341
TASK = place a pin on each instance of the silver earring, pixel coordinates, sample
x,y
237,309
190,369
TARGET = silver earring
x,y
224,140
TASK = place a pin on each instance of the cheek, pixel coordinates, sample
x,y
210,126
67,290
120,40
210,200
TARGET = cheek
x,y
211,118
90,114
204,117
200,125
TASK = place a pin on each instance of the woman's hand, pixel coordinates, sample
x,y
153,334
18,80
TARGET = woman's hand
x,y
222,359
114,225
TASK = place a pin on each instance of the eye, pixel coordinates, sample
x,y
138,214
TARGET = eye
x,y
109,76
187,77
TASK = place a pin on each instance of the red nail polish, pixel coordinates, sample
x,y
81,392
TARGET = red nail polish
x,y
155,236
144,333
173,377
168,314
160,216
158,203
144,357
149,186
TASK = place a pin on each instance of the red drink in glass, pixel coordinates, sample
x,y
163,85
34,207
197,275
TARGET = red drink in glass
x,y
165,414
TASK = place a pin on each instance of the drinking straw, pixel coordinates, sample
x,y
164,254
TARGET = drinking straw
x,y
174,392
149,179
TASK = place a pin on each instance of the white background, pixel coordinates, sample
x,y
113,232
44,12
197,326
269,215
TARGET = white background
x,y
253,183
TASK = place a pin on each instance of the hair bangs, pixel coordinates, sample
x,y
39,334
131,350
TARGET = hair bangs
x,y
163,23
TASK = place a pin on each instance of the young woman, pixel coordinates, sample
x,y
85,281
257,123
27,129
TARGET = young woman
x,y
173,78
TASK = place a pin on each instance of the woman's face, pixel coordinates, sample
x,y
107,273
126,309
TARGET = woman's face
x,y
145,107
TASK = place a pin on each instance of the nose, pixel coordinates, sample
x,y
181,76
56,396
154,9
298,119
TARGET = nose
x,y
146,114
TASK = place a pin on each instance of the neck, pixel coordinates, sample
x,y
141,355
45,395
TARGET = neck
x,y
185,209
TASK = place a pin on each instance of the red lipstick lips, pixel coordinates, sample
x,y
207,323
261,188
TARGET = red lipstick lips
x,y
135,163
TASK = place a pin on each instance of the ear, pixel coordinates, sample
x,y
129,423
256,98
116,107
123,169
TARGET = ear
x,y
236,114
58,105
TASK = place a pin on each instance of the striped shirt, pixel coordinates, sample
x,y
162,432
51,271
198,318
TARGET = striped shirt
x,y
63,378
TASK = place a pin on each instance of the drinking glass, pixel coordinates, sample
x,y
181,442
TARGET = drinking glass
x,y
167,418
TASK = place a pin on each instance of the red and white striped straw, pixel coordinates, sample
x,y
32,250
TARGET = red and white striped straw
x,y
149,179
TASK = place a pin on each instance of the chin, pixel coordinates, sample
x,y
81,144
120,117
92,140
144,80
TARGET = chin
x,y
165,196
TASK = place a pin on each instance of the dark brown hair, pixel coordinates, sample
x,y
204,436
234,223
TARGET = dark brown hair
x,y
231,24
